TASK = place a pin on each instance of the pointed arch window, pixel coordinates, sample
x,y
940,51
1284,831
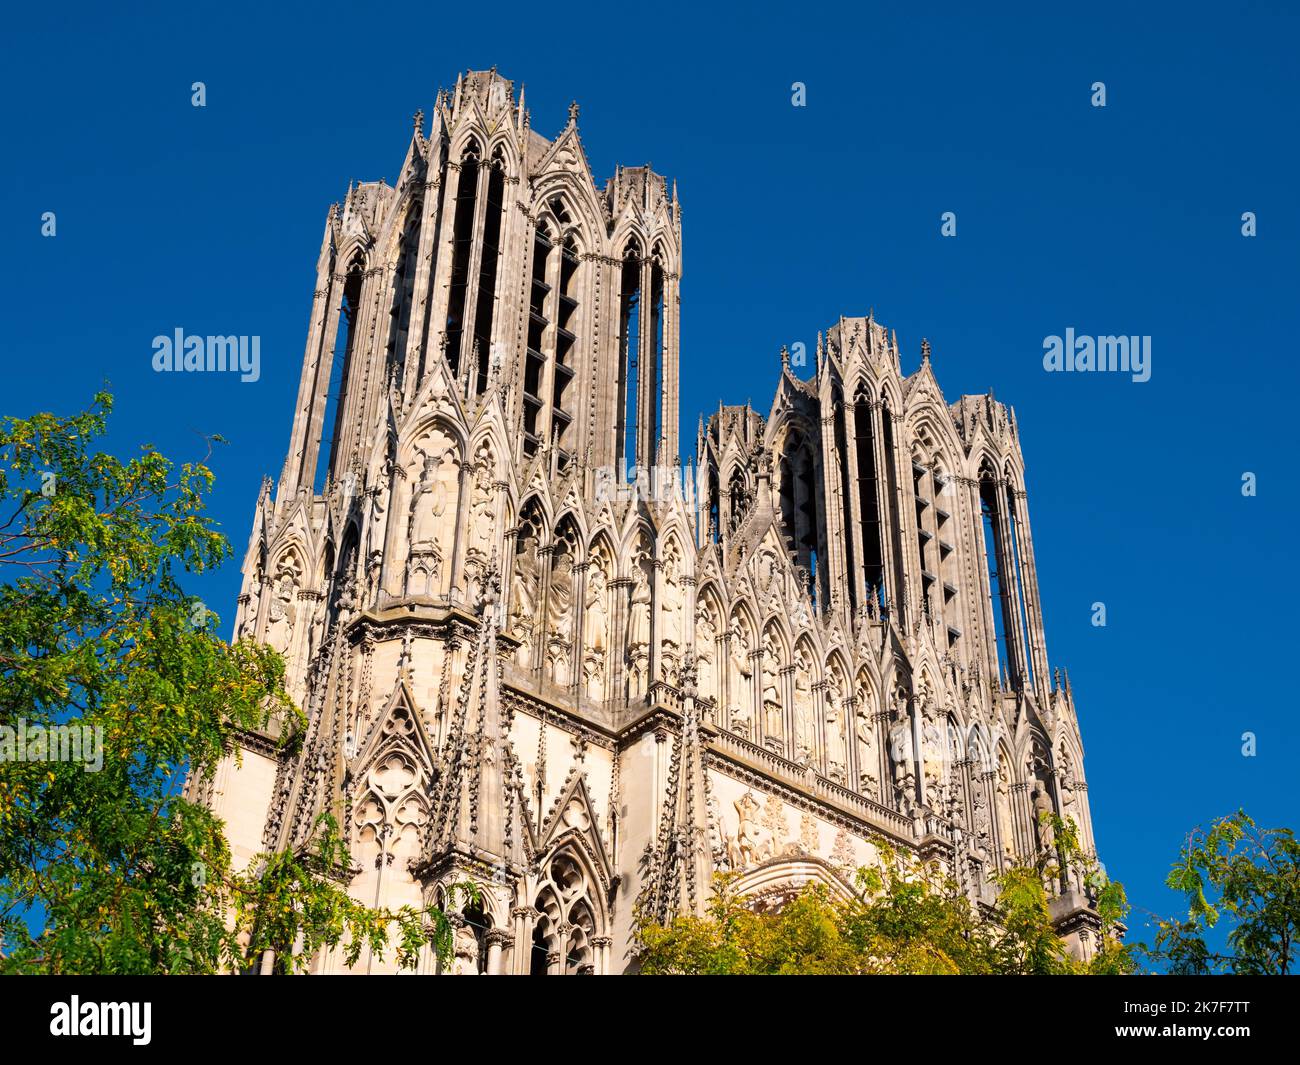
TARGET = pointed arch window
x,y
1017,590
461,251
538,324
864,440
798,495
846,489
489,258
567,923
629,333
997,565
566,354
336,395
404,286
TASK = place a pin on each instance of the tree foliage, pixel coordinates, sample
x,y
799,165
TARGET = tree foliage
x,y
1246,876
907,917
108,868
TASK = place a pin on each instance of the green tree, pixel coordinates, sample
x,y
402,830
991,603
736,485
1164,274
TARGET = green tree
x,y
108,868
1248,877
907,917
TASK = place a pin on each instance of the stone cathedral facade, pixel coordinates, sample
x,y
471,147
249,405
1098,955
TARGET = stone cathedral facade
x,y
537,652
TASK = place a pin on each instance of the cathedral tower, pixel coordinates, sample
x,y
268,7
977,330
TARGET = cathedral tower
x,y
522,664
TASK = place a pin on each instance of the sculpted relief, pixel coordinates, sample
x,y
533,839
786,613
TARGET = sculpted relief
x,y
706,649
805,729
741,679
868,744
836,757
638,626
282,613
595,626
773,705
431,522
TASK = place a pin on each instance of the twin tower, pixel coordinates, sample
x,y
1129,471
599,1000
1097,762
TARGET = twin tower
x,y
591,698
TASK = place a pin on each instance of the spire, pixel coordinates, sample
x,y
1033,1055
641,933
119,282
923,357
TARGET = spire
x,y
679,866
471,801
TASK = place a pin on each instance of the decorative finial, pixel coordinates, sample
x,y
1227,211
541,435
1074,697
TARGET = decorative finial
x,y
573,113
785,357
418,119
925,350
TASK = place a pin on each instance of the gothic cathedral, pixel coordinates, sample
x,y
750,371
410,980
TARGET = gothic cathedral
x,y
536,651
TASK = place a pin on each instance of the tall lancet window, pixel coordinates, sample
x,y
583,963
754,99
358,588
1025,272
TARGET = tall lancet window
x,y
892,519
538,323
404,286
799,508
487,275
461,251
1017,576
846,490
629,332
656,377
566,355
864,438
340,367
1000,580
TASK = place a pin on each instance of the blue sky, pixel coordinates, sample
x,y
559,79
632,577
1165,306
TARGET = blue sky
x,y
1117,220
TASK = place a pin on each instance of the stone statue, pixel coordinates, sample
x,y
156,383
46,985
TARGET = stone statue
x,y
747,848
282,614
835,753
428,504
560,606
1043,830
773,728
742,673
805,735
466,951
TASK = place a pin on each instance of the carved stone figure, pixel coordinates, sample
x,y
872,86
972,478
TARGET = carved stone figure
x,y
638,631
560,604
902,753
1043,811
868,744
282,614
836,765
428,503
524,589
748,848
933,756
742,682
466,951
773,726
481,517
1005,824
805,734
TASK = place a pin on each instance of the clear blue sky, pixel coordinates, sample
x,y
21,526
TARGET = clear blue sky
x,y
1117,220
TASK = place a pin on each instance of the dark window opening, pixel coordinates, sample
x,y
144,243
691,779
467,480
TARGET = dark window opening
x,y
487,276
462,244
873,562
628,341
340,369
